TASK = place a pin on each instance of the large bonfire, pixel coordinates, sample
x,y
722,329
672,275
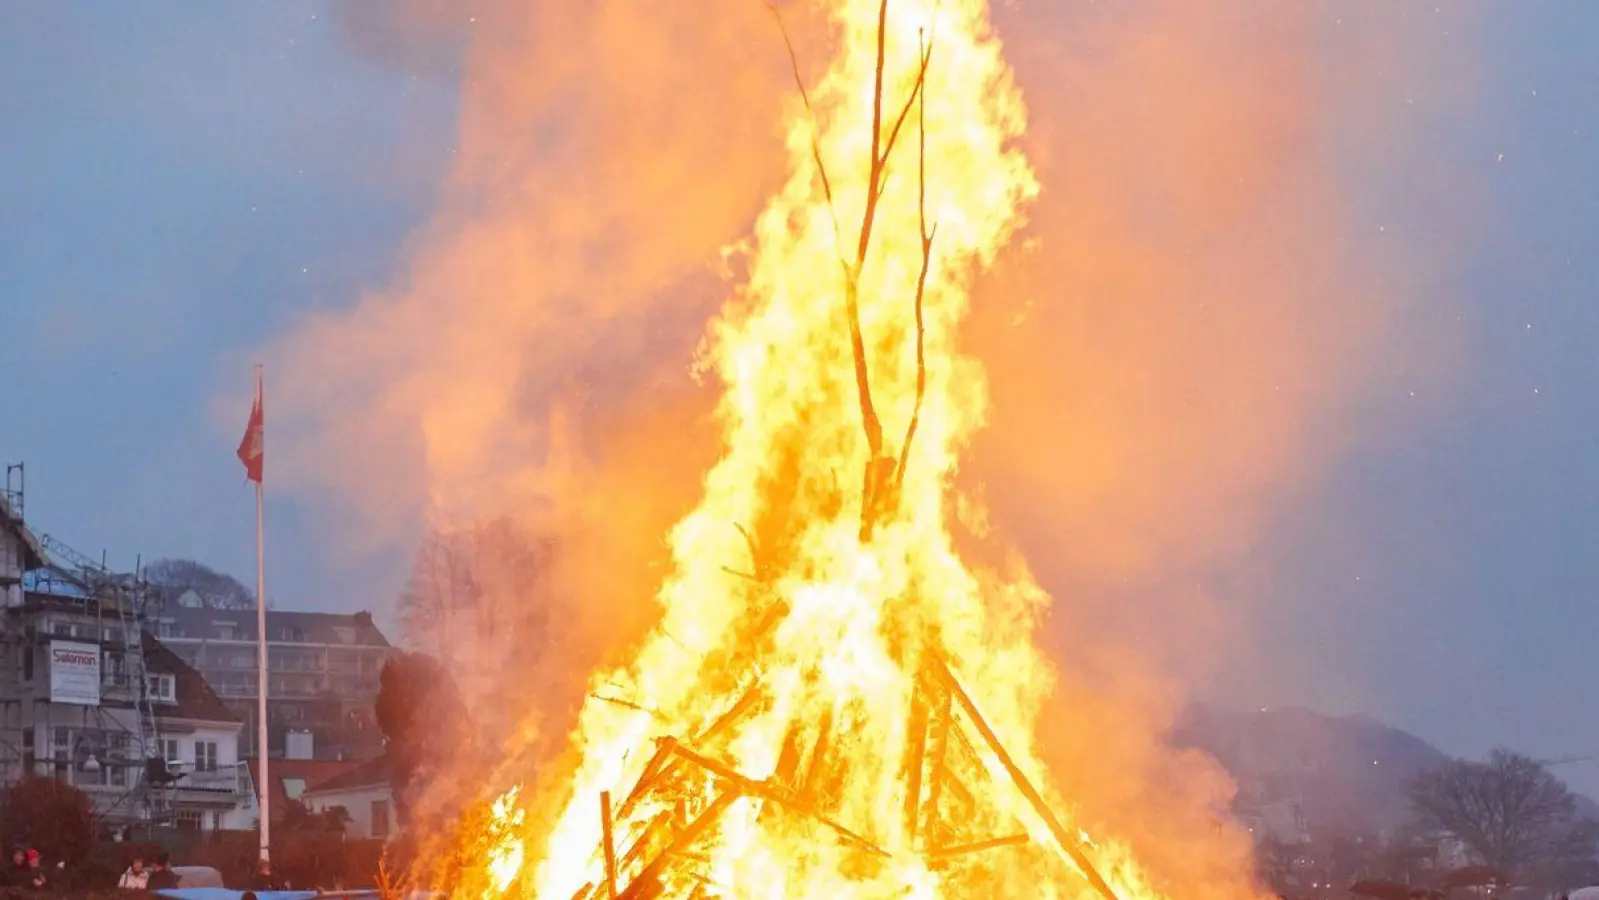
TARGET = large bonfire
x,y
834,704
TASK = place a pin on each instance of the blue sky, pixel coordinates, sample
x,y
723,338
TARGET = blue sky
x,y
1465,611
180,180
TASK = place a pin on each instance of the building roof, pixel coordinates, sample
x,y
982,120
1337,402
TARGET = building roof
x,y
372,773
195,698
306,772
283,626
33,552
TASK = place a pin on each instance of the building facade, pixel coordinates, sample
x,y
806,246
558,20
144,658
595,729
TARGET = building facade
x,y
116,715
322,674
88,696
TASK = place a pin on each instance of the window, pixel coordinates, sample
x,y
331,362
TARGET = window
x,y
61,629
205,756
30,757
187,819
27,663
380,818
61,752
119,776
161,688
114,668
169,749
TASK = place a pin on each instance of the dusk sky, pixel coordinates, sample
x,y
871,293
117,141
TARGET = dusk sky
x,y
181,181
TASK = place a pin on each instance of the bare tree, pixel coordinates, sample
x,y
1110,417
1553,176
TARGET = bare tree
x,y
1509,812
176,577
463,582
441,587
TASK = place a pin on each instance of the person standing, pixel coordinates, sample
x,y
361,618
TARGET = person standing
x,y
162,877
137,877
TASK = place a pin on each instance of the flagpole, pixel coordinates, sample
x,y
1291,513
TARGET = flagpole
x,y
262,751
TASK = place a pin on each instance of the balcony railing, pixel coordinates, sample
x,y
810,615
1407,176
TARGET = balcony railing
x,y
222,780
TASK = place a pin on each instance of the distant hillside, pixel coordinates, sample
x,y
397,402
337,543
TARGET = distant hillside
x,y
1341,773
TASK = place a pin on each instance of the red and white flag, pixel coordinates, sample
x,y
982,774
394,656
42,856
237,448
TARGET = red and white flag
x,y
252,448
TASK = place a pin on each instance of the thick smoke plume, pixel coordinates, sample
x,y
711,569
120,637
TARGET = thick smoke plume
x,y
1171,350
533,360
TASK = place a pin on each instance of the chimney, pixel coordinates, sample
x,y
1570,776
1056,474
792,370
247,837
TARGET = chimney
x,y
298,745
363,619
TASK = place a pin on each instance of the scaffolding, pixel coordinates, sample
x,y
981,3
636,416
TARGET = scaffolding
x,y
108,609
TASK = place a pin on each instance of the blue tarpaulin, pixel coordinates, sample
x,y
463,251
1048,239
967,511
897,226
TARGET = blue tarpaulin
x,y
208,893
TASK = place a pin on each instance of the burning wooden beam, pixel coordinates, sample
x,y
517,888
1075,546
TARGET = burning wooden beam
x,y
773,793
651,774
610,844
661,763
739,707
645,838
788,760
647,884
916,753
1068,844
939,737
813,770
1013,840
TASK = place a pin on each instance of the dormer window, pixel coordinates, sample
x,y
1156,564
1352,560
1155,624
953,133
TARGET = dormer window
x,y
161,688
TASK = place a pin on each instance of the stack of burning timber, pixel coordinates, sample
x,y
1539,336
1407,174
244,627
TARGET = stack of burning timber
x,y
944,776
852,714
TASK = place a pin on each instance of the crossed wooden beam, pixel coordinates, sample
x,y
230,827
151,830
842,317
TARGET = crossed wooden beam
x,y
926,772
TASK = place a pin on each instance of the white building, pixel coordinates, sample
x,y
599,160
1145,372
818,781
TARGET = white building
x,y
287,781
365,796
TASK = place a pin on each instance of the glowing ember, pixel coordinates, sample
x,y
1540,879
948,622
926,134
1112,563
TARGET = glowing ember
x,y
799,723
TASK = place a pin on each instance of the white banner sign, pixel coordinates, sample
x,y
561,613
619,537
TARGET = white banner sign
x,y
74,673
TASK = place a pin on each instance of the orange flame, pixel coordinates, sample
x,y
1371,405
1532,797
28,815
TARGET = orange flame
x,y
817,745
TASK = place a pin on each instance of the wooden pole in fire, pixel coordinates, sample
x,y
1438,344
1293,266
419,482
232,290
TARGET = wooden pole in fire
x,y
610,844
1068,844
